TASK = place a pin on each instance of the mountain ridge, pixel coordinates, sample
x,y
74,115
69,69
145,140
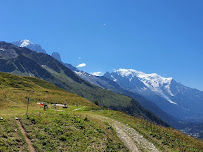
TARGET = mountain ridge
x,y
175,98
147,103
45,67
108,84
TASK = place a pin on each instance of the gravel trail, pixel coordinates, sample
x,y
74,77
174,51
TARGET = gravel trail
x,y
133,140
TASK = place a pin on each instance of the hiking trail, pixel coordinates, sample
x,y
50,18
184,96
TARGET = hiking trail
x,y
31,148
133,140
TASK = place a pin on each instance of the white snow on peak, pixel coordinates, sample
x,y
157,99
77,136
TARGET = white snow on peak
x,y
25,43
156,83
127,72
155,79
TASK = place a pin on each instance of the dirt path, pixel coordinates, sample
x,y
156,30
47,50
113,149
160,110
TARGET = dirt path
x,y
134,141
31,148
12,101
126,139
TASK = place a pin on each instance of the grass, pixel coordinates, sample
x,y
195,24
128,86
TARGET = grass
x,y
63,131
51,130
165,139
71,130
11,139
15,90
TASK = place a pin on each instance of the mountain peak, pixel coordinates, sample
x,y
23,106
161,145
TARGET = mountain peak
x,y
127,72
142,75
25,43
57,56
154,82
28,44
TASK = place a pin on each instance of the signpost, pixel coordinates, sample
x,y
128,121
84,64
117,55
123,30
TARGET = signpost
x,y
28,101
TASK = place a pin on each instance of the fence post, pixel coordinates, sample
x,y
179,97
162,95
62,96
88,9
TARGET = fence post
x,y
28,100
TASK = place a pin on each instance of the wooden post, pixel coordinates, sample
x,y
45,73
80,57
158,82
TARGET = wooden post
x,y
28,100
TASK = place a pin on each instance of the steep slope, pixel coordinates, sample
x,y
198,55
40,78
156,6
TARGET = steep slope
x,y
43,66
174,98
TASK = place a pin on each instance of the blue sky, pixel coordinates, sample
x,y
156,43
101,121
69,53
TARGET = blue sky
x,y
160,36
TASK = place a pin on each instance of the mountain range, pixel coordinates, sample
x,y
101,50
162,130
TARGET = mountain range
x,y
169,100
25,62
111,85
174,98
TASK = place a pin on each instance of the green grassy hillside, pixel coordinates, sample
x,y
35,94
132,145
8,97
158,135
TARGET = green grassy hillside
x,y
80,134
15,90
77,128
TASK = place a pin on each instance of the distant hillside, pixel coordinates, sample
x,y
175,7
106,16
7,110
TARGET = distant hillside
x,y
22,61
15,89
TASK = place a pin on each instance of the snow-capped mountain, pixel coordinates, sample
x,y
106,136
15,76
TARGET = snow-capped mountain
x,y
28,44
174,98
165,97
109,84
140,81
